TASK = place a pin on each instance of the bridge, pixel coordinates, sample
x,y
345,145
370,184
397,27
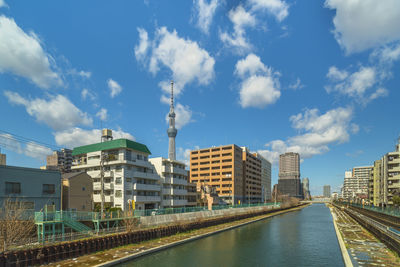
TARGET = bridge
x,y
317,200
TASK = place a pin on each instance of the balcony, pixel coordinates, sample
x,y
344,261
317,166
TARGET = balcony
x,y
174,202
172,191
107,186
179,171
145,199
175,181
146,187
146,175
97,198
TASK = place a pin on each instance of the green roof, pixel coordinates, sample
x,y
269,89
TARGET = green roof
x,y
113,144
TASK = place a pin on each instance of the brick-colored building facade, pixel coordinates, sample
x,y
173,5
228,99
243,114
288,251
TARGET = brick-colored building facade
x,y
234,172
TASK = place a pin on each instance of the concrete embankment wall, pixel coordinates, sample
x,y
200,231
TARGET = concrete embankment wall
x,y
157,220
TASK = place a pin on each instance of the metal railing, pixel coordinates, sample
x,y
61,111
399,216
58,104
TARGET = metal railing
x,y
388,210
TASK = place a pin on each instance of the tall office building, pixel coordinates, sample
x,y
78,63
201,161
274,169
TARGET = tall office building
x,y
289,166
289,175
327,191
305,185
252,177
265,178
221,168
60,160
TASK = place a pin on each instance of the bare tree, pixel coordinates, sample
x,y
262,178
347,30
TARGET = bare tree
x,y
17,225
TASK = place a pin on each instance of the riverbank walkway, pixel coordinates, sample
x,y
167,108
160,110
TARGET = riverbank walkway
x,y
363,248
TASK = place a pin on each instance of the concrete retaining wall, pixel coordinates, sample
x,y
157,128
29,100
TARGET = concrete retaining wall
x,y
158,220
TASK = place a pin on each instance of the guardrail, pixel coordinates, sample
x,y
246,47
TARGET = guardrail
x,y
388,210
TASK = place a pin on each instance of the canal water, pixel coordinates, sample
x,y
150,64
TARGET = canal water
x,y
300,238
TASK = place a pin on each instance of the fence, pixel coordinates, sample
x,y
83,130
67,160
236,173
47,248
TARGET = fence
x,y
388,210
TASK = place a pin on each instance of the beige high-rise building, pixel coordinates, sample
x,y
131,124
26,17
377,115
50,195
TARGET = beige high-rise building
x,y
289,166
219,167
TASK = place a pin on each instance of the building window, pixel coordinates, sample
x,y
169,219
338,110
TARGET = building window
x,y
118,180
128,192
49,188
83,188
118,193
139,157
13,188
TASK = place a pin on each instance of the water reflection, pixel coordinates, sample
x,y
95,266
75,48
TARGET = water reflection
x,y
301,238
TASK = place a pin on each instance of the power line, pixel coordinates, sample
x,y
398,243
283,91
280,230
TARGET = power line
x,y
17,138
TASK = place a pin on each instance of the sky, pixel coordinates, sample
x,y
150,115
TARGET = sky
x,y
320,78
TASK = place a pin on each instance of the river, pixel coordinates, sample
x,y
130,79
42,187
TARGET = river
x,y
301,238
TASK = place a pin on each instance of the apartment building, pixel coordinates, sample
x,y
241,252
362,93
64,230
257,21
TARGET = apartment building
x,y
192,195
265,178
362,176
252,177
60,160
77,192
221,168
127,174
289,183
173,180
29,189
3,159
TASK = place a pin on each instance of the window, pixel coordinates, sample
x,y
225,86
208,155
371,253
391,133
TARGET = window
x,y
118,180
118,193
13,188
49,188
83,188
139,157
128,155
128,180
128,192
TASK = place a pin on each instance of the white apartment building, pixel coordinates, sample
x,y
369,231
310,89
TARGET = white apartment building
x,y
128,175
174,180
356,182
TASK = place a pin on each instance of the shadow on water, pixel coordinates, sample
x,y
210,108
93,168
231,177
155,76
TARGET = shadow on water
x,y
301,238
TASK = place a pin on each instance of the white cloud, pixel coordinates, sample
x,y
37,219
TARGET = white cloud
x,y
3,3
115,88
78,137
205,14
278,8
240,19
86,93
361,25
102,114
142,48
387,54
57,112
81,73
22,54
356,84
37,151
183,116
30,149
318,132
260,86
183,155
296,85
186,60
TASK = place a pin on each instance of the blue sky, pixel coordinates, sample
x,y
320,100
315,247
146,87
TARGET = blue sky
x,y
316,77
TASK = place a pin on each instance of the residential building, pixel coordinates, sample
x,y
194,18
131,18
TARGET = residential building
x,y
173,182
128,176
252,177
192,195
289,175
327,191
77,192
29,189
356,183
60,160
375,186
3,159
265,178
221,168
